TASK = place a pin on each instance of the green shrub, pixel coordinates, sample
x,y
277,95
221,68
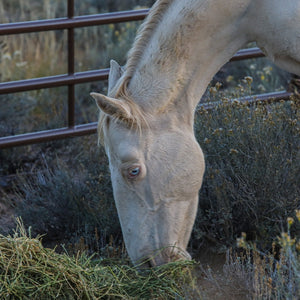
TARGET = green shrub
x,y
68,204
252,176
267,77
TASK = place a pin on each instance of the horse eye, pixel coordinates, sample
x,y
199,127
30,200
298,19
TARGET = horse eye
x,y
134,172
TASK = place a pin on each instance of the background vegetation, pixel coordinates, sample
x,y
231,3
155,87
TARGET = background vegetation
x,y
62,189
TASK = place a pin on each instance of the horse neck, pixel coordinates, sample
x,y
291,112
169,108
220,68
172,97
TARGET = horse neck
x,y
188,46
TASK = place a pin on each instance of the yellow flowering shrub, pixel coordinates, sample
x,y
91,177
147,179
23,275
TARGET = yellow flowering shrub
x,y
252,174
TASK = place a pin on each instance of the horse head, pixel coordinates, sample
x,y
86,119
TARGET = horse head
x,y
156,171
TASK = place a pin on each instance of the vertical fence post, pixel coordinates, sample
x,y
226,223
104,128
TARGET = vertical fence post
x,y
71,67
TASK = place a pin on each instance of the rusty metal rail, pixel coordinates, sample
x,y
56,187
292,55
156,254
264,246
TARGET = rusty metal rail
x,y
72,22
71,79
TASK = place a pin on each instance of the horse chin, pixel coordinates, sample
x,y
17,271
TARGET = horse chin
x,y
162,257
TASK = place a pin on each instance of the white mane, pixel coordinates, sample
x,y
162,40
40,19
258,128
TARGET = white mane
x,y
144,35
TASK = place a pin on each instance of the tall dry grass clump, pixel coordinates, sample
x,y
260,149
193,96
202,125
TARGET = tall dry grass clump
x,y
276,274
34,54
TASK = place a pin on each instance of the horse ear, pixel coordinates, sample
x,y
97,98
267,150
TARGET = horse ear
x,y
116,108
115,73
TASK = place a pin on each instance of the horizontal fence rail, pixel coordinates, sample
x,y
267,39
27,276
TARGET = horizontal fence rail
x,y
52,81
73,22
47,135
71,78
268,97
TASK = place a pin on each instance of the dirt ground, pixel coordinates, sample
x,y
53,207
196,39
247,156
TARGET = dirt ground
x,y
218,280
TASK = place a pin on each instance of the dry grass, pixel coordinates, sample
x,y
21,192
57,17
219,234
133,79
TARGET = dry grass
x,y
30,271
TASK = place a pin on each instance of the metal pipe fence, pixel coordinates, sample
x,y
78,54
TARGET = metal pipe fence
x,y
72,78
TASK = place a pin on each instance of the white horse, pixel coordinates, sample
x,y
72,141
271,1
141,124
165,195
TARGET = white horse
x,y
146,121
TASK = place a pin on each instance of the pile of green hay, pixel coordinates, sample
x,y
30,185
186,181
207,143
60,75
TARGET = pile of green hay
x,y
30,271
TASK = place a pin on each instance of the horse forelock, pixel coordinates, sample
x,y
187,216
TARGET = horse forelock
x,y
136,122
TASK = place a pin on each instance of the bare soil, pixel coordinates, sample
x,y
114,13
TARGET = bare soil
x,y
216,280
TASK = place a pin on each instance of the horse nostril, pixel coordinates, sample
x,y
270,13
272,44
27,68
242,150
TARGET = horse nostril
x,y
151,263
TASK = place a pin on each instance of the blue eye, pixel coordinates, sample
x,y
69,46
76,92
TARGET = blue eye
x,y
134,172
